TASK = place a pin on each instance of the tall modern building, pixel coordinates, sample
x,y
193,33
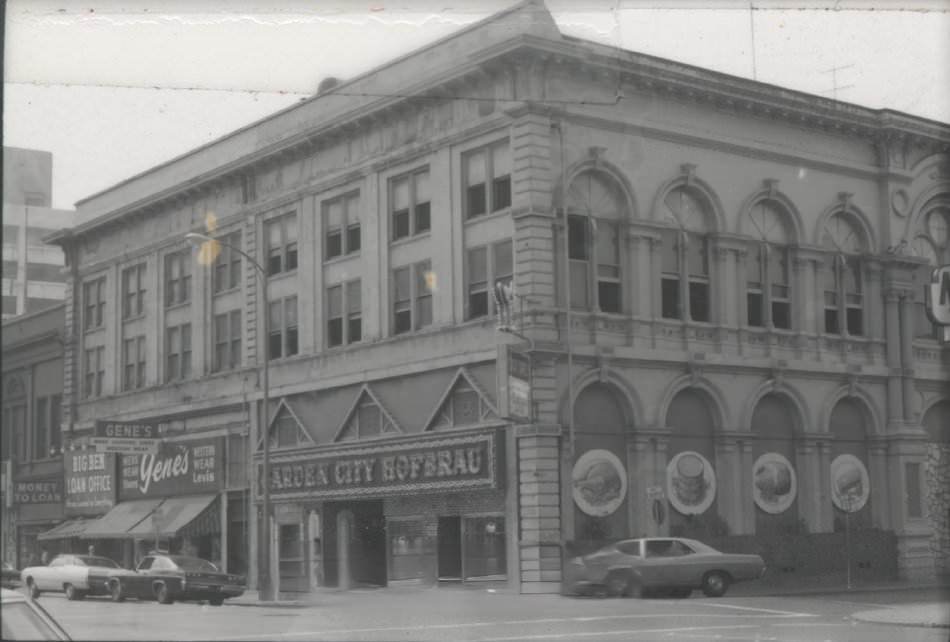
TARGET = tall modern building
x,y
718,326
33,277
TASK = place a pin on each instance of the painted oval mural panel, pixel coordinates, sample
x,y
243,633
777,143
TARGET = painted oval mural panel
x,y
774,483
600,482
690,483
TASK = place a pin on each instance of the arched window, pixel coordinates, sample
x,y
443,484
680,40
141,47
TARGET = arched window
x,y
774,427
685,262
596,210
843,276
930,243
848,426
767,274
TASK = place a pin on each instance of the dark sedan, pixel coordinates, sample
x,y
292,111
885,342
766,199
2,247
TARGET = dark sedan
x,y
670,565
167,578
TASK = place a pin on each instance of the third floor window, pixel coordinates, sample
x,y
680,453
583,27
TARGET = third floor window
x,y
227,341
178,277
410,204
282,341
487,176
344,314
281,236
178,352
227,265
133,291
133,359
94,301
341,225
95,372
487,266
412,297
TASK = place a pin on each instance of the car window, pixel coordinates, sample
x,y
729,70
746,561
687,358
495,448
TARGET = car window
x,y
146,563
194,564
629,548
162,564
98,561
21,622
59,561
678,548
77,561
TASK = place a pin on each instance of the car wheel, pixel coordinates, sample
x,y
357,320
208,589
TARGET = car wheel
x,y
623,584
32,588
216,601
71,592
715,584
115,590
162,594
681,593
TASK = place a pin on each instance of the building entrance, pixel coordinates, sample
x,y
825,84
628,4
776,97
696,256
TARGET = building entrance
x,y
450,549
355,548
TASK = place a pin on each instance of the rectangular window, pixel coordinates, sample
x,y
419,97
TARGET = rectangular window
x,y
178,278
94,299
608,266
697,265
41,429
282,341
15,443
914,497
670,279
344,314
354,311
488,265
335,316
578,253
755,299
94,372
410,204
853,297
227,265
133,291
487,179
830,280
178,352
412,297
780,303
227,341
133,359
281,236
341,225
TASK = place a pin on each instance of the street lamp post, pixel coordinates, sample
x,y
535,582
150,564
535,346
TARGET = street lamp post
x,y
264,546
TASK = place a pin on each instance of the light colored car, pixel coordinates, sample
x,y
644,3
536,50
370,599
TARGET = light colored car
x,y
74,575
671,565
24,619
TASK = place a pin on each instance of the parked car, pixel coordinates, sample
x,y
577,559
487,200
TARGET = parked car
x,y
74,575
670,565
167,578
11,576
25,619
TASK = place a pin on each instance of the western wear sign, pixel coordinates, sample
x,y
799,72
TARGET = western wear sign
x,y
179,468
443,464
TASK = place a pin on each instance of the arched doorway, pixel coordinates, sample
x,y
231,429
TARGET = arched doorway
x,y
774,473
850,483
600,475
936,422
691,475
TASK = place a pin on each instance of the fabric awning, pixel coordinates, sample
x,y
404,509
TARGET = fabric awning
x,y
69,528
194,515
121,519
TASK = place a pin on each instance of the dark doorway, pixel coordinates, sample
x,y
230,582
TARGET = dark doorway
x,y
364,547
450,548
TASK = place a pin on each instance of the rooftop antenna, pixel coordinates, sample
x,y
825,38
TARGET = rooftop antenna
x,y
834,80
752,32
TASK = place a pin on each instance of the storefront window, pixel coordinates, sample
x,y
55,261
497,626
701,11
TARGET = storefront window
x,y
293,575
484,547
406,549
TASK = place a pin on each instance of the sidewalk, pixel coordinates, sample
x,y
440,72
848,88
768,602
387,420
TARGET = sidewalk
x,y
926,615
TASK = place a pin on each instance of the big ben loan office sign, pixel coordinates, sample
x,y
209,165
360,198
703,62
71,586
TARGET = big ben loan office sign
x,y
448,463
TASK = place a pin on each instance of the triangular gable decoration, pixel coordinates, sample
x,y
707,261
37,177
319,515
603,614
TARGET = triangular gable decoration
x,y
368,418
464,403
286,430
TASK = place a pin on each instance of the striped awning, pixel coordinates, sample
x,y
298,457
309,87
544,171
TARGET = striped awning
x,y
69,528
181,516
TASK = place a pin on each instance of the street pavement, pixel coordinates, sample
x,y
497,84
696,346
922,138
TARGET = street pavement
x,y
436,614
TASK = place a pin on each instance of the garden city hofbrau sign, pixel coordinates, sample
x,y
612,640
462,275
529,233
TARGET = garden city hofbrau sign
x,y
447,463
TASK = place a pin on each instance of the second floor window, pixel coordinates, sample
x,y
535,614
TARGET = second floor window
x,y
487,265
227,341
487,177
767,287
178,277
685,259
410,205
47,418
344,314
842,276
282,341
412,297
15,441
95,372
94,302
281,236
133,291
178,352
133,359
341,226
227,265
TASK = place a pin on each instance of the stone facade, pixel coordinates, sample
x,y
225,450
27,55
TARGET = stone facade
x,y
938,505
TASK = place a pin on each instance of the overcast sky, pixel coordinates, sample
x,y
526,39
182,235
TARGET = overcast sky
x,y
114,87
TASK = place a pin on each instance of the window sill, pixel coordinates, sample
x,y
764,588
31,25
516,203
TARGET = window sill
x,y
487,216
226,291
342,258
134,317
178,306
407,240
283,274
98,328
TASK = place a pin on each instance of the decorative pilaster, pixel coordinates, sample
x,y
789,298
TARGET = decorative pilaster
x,y
747,510
539,499
825,512
907,312
810,491
881,487
729,482
895,397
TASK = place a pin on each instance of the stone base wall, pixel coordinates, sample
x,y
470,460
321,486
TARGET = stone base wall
x,y
937,475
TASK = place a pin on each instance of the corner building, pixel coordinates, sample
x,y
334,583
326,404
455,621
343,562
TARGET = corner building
x,y
719,310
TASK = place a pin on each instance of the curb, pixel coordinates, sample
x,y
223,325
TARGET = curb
x,y
869,617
